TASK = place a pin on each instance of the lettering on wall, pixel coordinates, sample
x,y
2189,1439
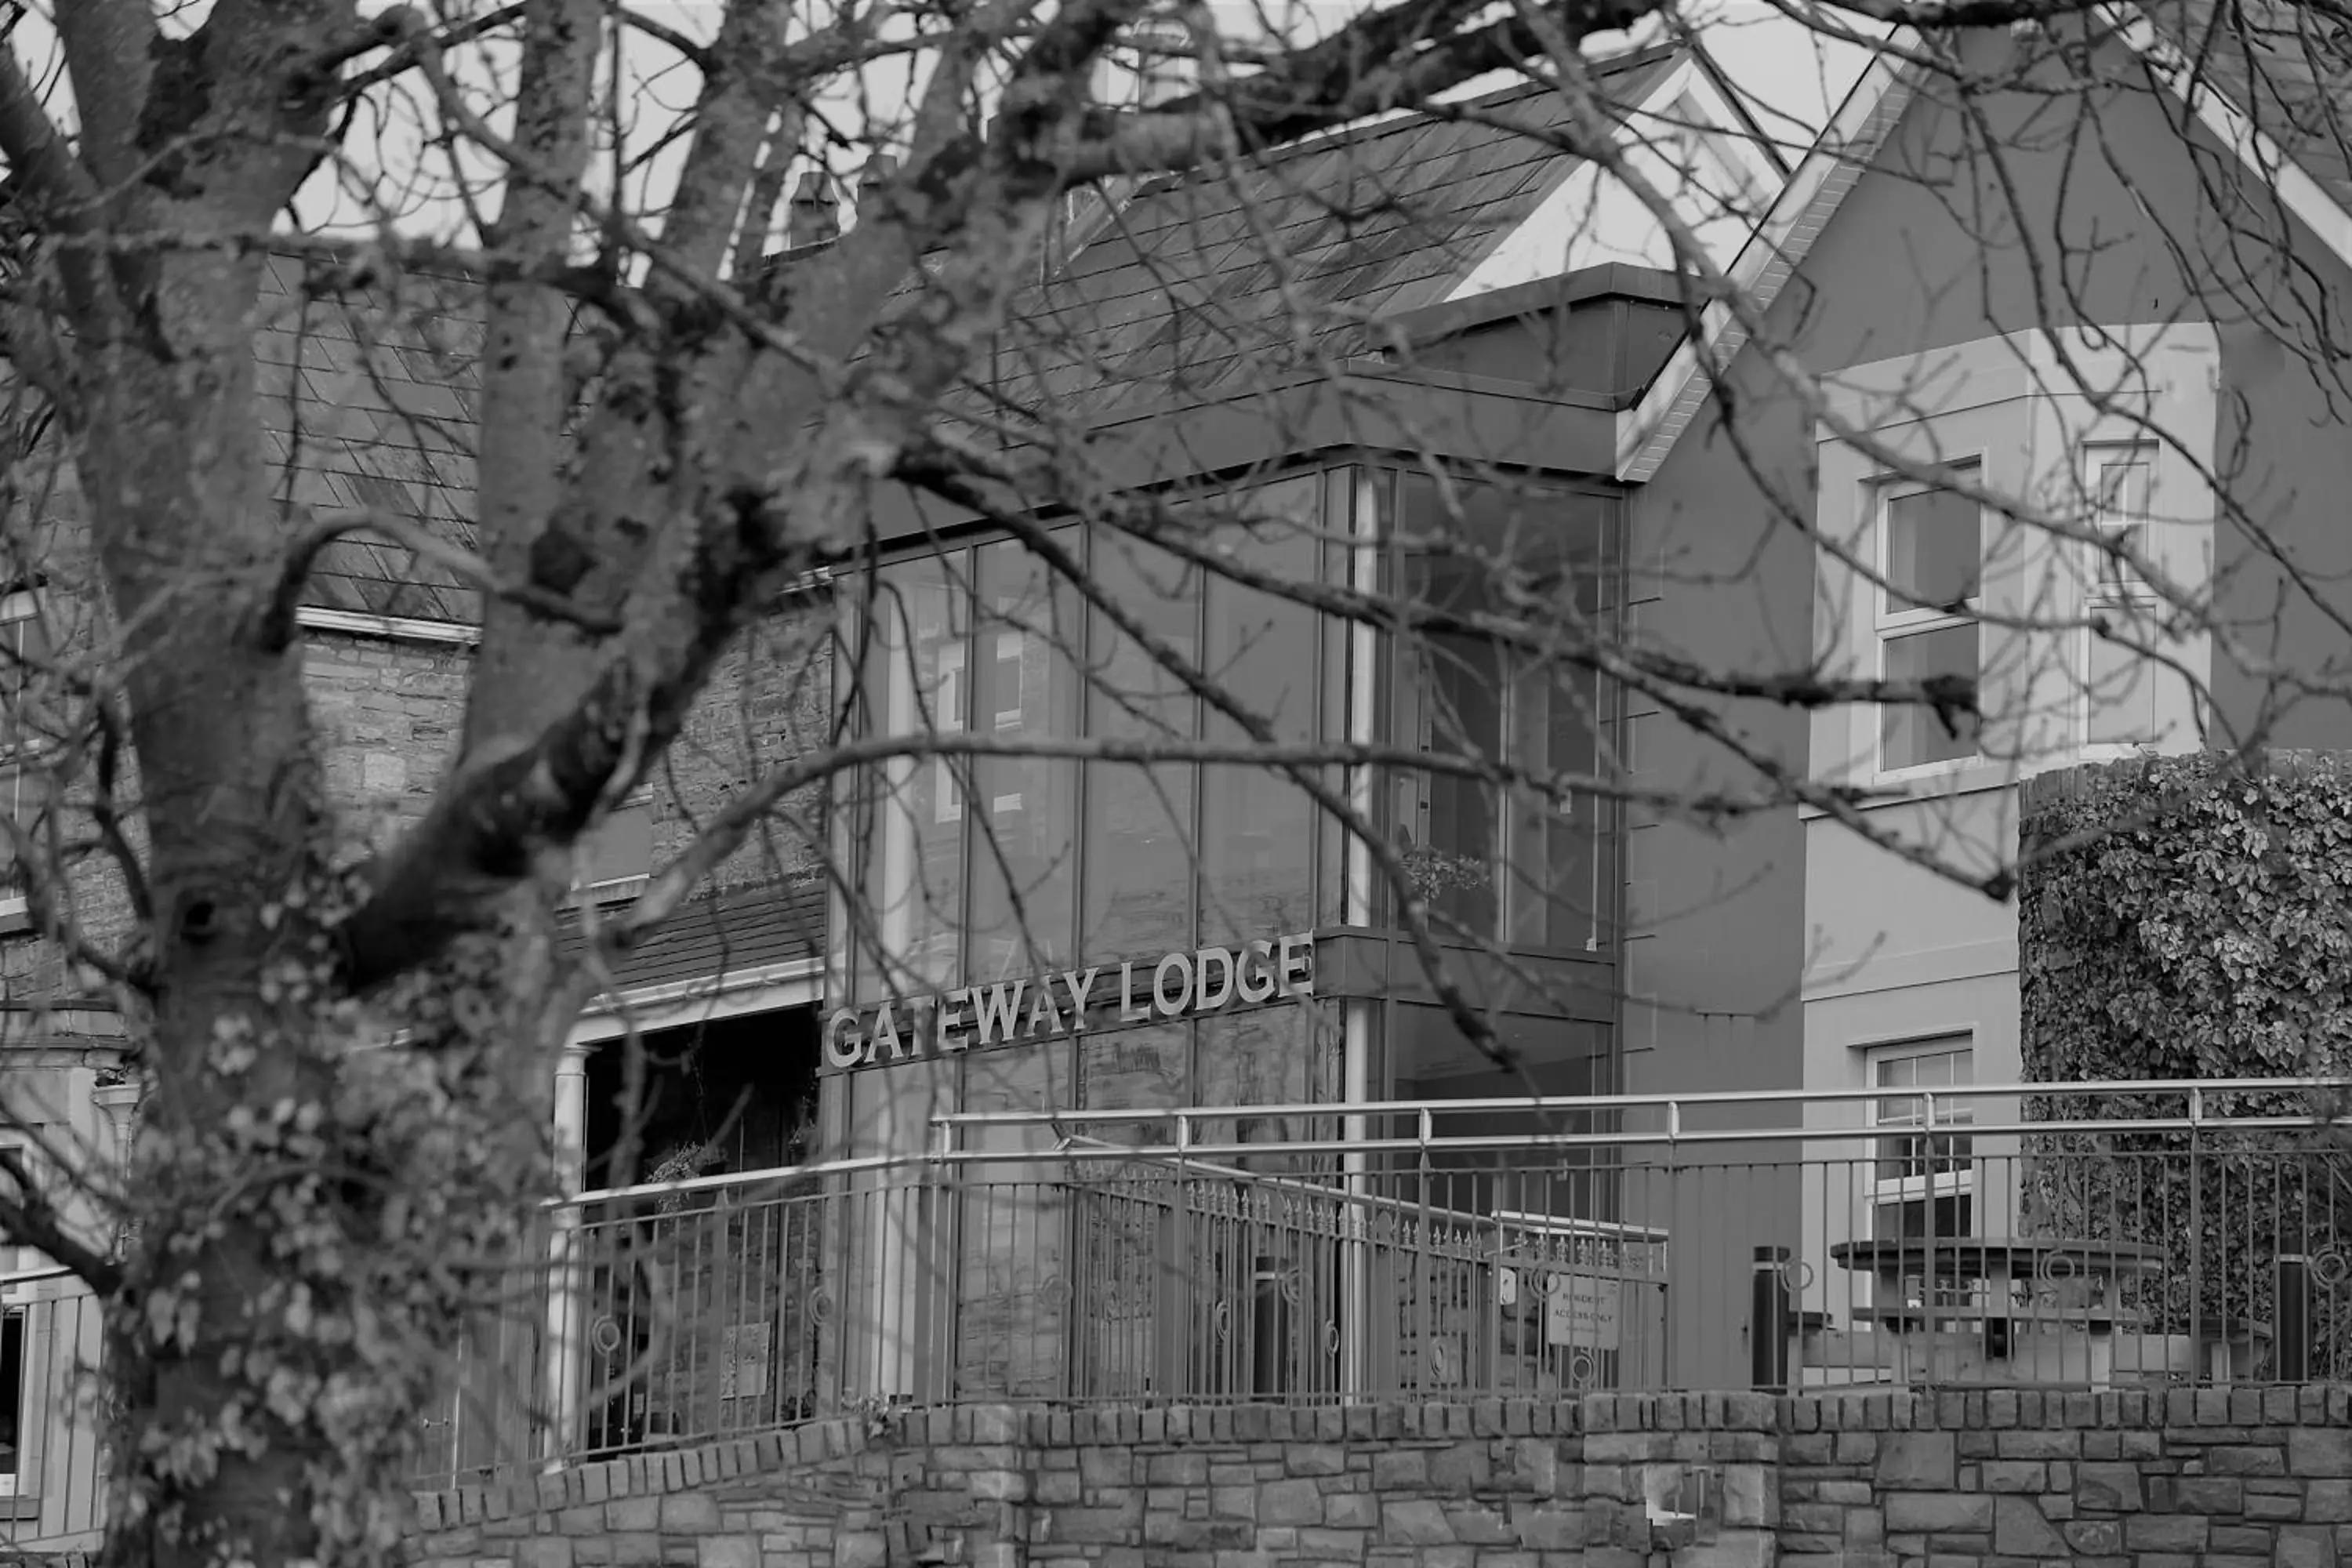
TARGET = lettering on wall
x,y
1065,1002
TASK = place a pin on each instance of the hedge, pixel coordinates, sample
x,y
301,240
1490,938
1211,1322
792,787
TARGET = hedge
x,y
2190,916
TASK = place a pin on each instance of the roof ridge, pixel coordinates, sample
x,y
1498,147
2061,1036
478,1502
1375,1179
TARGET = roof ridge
x,y
1390,121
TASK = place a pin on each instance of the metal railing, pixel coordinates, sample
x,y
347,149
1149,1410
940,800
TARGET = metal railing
x,y
2050,1236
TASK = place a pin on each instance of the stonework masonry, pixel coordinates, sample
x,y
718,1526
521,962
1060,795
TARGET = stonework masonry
x,y
389,712
2183,1479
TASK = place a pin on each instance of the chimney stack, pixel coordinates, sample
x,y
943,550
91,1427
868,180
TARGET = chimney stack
x,y
815,216
878,171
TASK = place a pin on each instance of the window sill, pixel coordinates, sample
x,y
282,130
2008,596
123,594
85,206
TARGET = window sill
x,y
20,1508
1949,781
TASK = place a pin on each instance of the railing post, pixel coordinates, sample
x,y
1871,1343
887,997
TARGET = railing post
x,y
1768,1317
2294,1318
1269,1328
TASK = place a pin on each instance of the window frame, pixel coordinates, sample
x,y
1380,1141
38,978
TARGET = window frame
x,y
1890,625
1880,1192
2105,592
1402,696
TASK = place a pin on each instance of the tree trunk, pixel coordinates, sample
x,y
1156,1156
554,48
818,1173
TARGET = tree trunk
x,y
269,1367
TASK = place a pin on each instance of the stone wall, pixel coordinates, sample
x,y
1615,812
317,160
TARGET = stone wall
x,y
389,712
2222,1479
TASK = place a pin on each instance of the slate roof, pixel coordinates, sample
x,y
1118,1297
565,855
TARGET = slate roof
x,y
1199,285
1194,287
370,402
725,933
2287,68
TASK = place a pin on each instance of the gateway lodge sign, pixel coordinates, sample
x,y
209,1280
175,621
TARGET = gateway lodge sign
x,y
1018,1012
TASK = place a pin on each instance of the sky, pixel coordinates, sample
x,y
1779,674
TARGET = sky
x,y
1790,78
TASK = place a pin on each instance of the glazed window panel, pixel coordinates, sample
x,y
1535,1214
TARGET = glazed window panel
x,y
1912,734
1923,1182
1149,1066
1139,838
2128,696
916,653
1525,864
1932,554
1273,1056
1028,635
1258,830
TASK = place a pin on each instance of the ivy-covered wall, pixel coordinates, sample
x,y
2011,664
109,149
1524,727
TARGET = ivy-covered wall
x,y
2190,916
2187,916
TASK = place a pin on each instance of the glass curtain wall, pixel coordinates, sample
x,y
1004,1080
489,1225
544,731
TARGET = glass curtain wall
x,y
981,868
1526,576
1507,867
986,869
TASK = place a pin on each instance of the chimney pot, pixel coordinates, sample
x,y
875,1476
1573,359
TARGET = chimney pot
x,y
815,215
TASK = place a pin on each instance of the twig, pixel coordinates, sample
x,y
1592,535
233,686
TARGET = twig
x,y
278,616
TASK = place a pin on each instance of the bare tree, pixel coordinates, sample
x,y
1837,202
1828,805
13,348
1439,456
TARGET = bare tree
x,y
667,432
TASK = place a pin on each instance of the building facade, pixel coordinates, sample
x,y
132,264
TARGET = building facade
x,y
1094,912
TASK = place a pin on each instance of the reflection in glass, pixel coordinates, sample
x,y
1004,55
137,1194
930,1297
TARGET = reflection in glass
x,y
1135,1069
1257,841
1276,1056
1935,551
1025,684
1012,1330
1521,864
1912,734
915,685
1139,844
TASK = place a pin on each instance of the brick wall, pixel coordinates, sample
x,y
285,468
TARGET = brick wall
x,y
389,714
2217,1479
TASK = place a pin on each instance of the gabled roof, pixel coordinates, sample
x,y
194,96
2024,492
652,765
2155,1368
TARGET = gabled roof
x,y
1204,283
1196,288
2271,81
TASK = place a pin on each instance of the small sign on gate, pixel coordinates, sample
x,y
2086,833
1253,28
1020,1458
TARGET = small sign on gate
x,y
1582,1309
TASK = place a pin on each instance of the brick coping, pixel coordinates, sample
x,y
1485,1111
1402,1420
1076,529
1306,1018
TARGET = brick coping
x,y
667,1470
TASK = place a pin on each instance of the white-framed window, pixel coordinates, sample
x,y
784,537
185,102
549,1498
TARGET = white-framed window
x,y
617,860
1931,557
2121,686
1921,1175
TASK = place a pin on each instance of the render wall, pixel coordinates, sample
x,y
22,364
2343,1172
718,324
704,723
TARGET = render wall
x,y
2227,1478
1925,254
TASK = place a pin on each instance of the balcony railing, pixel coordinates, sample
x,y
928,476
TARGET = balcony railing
x,y
2083,1237
2080,1237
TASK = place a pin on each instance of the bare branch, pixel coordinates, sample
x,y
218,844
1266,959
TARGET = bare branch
x,y
29,1219
277,613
